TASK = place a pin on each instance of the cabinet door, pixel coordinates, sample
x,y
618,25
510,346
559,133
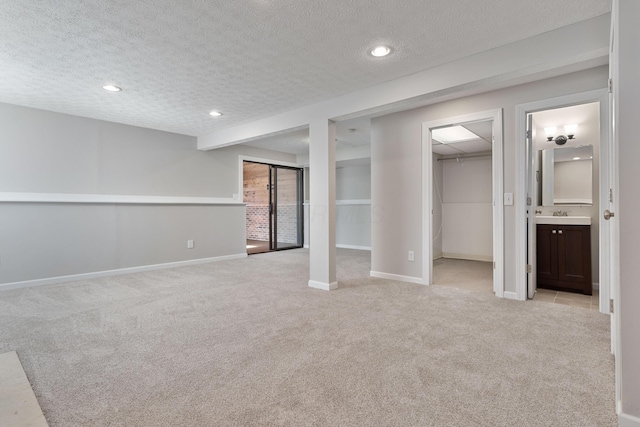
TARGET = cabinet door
x,y
574,254
547,252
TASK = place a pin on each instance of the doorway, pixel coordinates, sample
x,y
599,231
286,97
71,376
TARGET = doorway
x,y
273,196
462,198
532,183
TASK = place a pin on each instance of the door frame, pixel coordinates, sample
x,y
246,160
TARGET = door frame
x,y
602,97
273,203
497,174
239,196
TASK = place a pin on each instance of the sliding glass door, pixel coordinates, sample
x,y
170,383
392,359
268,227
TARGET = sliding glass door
x,y
285,208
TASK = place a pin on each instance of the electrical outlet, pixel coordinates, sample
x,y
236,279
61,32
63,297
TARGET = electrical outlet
x,y
189,244
411,256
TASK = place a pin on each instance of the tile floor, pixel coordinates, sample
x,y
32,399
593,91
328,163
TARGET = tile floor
x,y
568,298
478,276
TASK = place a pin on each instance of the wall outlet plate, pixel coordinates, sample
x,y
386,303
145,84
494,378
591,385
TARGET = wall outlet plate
x,y
411,256
189,244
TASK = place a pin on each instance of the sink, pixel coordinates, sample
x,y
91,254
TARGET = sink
x,y
563,220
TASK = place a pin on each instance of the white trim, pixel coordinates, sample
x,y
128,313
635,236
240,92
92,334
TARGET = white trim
x,y
397,277
595,286
510,295
353,202
118,272
347,202
361,248
323,286
10,197
497,173
484,258
626,420
598,95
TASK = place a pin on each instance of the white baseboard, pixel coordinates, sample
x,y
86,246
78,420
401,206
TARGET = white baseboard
x,y
306,246
324,286
596,286
488,258
626,420
397,277
360,248
118,272
510,295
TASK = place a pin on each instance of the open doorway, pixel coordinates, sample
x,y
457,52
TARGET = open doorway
x,y
536,223
273,196
463,204
565,192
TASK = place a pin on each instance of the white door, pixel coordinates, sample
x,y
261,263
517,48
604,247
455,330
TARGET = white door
x,y
531,206
611,207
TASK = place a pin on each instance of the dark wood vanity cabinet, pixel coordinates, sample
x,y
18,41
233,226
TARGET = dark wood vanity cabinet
x,y
564,257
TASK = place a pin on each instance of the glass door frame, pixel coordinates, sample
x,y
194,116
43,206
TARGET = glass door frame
x,y
273,206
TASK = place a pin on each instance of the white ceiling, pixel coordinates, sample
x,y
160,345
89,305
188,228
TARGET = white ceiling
x,y
250,59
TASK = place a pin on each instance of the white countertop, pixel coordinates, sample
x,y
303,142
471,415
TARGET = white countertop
x,y
563,220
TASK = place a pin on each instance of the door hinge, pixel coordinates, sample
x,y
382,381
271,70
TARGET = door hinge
x,y
494,265
528,134
611,306
610,85
529,202
611,195
529,268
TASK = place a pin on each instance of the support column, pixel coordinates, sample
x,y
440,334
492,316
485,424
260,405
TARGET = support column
x,y
322,205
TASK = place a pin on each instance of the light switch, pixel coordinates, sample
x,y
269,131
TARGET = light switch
x,y
508,199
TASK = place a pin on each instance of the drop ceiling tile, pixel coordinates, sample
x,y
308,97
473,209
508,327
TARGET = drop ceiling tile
x,y
475,146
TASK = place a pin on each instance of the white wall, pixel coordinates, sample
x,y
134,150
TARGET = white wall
x,y
437,219
627,92
467,230
45,152
396,191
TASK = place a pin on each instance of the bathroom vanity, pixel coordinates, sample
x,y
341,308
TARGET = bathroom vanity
x,y
564,253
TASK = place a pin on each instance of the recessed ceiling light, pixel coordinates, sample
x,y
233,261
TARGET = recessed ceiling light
x,y
111,88
380,51
215,113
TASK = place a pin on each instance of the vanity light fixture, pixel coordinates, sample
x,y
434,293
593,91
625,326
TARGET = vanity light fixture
x,y
215,113
380,51
111,88
570,130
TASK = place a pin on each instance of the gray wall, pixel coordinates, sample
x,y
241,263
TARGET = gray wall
x,y
353,222
396,153
45,152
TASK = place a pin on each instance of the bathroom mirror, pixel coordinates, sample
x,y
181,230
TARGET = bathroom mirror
x,y
565,176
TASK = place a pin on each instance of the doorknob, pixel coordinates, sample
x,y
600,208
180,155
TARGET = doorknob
x,y
608,214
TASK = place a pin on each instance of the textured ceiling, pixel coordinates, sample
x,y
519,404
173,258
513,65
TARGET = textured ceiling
x,y
177,60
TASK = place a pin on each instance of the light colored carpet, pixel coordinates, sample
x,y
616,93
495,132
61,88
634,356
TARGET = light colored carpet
x,y
246,342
